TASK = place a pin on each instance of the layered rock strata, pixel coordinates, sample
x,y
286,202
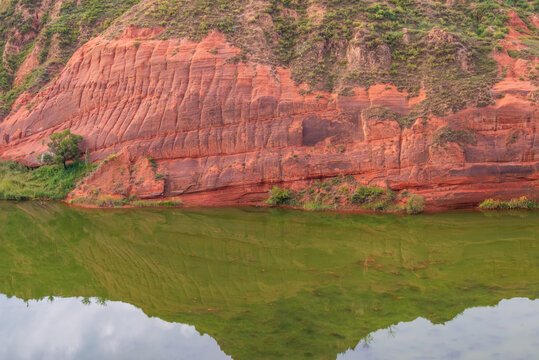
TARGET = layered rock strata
x,y
224,132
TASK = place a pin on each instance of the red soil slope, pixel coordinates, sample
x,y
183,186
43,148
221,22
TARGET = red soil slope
x,y
224,133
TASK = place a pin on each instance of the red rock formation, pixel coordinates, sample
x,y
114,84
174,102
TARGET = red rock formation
x,y
121,175
223,133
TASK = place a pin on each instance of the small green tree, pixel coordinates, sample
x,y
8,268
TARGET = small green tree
x,y
63,147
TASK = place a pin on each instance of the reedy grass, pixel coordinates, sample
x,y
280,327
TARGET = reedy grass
x,y
51,182
521,203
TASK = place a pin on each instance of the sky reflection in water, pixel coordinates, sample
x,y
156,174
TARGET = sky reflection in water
x,y
66,328
509,330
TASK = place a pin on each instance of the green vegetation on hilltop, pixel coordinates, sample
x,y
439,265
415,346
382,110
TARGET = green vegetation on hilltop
x,y
25,24
79,21
328,44
332,45
194,18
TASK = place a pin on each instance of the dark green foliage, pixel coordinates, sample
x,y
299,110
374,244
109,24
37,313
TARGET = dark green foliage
x,y
280,196
515,54
366,194
323,185
153,163
194,18
15,61
287,30
17,182
378,112
7,99
382,113
347,91
5,79
532,50
63,147
30,3
79,22
376,199
337,180
58,180
447,135
33,82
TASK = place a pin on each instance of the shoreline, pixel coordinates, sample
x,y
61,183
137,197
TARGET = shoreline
x,y
344,211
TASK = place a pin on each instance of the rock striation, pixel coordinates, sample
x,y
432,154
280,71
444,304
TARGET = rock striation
x,y
223,132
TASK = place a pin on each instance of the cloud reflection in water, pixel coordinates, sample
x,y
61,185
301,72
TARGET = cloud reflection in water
x,y
68,329
509,330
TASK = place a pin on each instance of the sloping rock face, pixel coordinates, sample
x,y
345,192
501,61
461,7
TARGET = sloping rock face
x,y
223,132
122,176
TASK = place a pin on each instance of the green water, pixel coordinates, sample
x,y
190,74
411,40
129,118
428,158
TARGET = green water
x,y
267,283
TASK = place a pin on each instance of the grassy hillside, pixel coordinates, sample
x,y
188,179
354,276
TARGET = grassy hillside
x,y
50,32
443,47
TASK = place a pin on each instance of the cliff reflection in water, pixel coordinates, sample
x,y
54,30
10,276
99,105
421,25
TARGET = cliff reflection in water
x,y
270,283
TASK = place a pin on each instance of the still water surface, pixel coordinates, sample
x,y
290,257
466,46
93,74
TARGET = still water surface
x,y
266,284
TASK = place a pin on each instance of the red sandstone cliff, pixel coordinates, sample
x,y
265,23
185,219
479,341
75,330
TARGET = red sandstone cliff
x,y
224,133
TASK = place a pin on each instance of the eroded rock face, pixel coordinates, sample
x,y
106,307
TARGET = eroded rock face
x,y
122,176
224,133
